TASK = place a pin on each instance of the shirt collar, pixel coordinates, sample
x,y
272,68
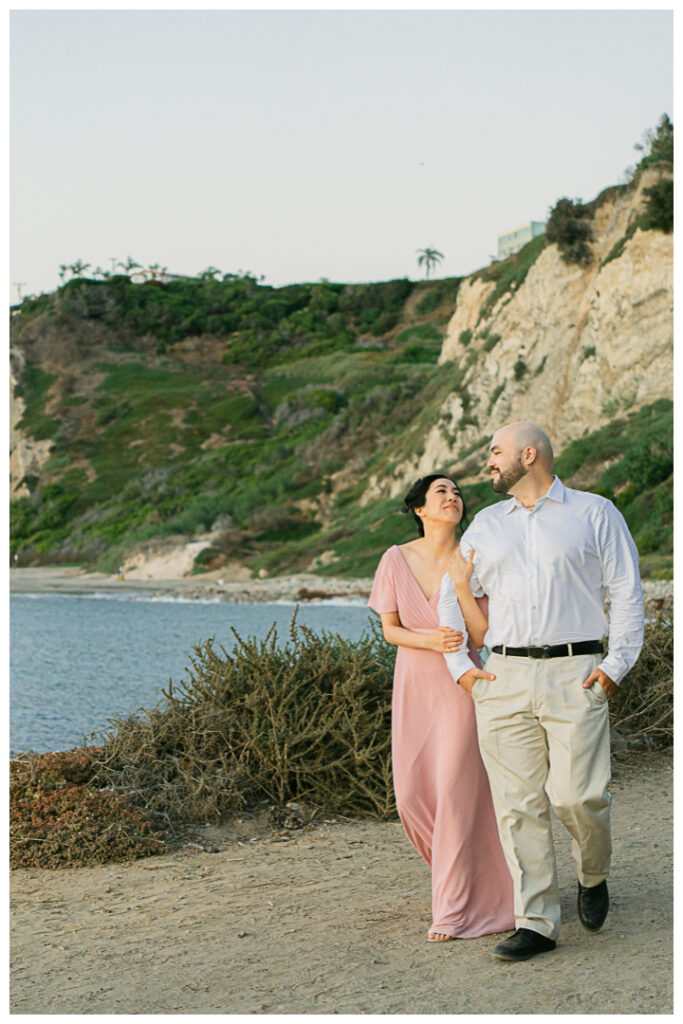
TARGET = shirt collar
x,y
557,492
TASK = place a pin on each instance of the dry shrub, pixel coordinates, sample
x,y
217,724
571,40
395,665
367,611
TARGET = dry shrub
x,y
642,709
57,818
306,720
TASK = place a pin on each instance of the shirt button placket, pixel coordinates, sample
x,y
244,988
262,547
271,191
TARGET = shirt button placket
x,y
533,581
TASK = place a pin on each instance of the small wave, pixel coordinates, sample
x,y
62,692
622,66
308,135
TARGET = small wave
x,y
130,595
319,602
178,599
148,598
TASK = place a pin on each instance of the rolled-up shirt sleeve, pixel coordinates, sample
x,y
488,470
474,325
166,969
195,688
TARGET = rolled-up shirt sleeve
x,y
450,614
466,545
621,579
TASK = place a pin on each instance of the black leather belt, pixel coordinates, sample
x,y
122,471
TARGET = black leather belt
x,y
555,651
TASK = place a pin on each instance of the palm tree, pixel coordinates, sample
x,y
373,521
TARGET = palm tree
x,y
429,257
210,274
129,265
79,268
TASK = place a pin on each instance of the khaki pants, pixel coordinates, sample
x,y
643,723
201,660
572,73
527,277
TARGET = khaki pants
x,y
545,742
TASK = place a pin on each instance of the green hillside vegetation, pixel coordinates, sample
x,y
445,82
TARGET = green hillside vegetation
x,y
262,413
254,421
631,462
284,384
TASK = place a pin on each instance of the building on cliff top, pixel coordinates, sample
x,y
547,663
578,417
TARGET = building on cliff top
x,y
143,276
512,241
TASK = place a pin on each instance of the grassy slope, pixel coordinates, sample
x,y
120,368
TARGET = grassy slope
x,y
269,408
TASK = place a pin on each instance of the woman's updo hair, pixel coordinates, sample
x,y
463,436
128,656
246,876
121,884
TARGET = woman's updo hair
x,y
417,496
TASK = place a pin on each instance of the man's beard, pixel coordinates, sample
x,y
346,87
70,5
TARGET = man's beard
x,y
505,481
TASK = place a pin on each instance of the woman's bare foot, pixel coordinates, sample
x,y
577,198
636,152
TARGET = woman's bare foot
x,y
439,937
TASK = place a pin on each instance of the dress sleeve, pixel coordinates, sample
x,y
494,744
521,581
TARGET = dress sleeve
x,y
383,595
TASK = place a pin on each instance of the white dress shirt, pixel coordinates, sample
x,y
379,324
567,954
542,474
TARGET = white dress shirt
x,y
450,614
547,571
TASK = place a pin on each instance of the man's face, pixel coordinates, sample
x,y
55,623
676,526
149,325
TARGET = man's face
x,y
505,462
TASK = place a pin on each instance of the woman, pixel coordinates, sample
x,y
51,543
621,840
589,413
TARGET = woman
x,y
442,791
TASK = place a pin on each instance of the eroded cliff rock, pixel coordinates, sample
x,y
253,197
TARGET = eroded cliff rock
x,y
570,348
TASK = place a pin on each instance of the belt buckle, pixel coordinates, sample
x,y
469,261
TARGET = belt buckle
x,y
546,651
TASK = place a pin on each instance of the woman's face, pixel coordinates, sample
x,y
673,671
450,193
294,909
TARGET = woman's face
x,y
443,503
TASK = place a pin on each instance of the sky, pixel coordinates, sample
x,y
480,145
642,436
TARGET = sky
x,y
310,144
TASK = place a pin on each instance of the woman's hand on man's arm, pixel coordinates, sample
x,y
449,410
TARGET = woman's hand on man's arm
x,y
443,639
460,570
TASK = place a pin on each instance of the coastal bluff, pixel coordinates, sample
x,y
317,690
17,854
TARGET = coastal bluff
x,y
571,347
260,431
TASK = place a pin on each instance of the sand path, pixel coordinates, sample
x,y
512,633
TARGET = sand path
x,y
333,920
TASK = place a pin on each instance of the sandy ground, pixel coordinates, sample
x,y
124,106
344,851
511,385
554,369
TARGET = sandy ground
x,y
332,919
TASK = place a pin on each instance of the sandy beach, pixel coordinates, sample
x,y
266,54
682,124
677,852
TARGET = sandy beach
x,y
166,580
332,918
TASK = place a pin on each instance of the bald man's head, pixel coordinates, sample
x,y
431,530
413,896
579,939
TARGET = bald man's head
x,y
529,435
518,449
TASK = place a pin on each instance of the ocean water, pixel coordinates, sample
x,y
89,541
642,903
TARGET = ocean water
x,y
78,660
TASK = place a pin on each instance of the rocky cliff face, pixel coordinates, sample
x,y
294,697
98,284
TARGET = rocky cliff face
x,y
26,455
571,348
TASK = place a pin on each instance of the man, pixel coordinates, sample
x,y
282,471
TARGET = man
x,y
546,559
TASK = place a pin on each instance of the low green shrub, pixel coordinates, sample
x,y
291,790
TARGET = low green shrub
x,y
659,206
491,341
421,332
520,369
438,294
568,226
418,354
659,143
618,248
327,399
495,395
305,720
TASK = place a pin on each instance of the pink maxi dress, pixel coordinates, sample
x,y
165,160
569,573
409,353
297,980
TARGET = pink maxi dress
x,y
441,786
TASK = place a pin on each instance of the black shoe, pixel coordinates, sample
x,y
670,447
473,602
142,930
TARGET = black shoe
x,y
593,904
524,944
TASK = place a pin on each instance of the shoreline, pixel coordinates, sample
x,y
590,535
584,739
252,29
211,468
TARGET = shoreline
x,y
217,586
299,587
